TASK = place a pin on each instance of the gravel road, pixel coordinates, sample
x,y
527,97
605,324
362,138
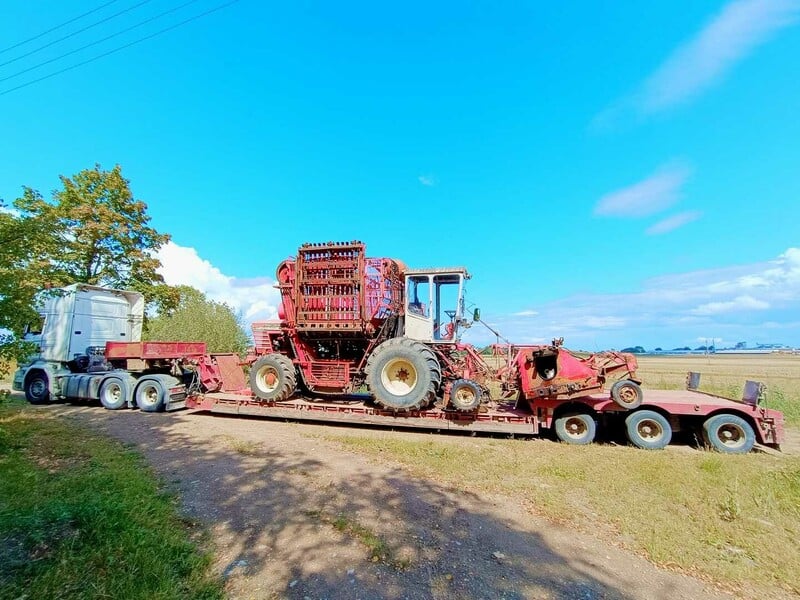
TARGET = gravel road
x,y
293,516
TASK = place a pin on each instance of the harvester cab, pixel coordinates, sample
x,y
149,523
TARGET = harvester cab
x,y
434,304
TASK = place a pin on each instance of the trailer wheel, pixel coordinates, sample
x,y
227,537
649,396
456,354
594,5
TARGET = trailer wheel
x,y
465,395
576,428
627,394
729,434
150,395
273,377
113,393
37,388
648,429
403,374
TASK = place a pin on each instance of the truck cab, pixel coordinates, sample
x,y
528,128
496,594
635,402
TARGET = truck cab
x,y
434,304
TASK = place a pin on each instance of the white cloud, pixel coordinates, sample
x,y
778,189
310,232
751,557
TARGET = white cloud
x,y
429,180
732,34
657,192
256,299
526,313
693,67
674,222
740,303
673,310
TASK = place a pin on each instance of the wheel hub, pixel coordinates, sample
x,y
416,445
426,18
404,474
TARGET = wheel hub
x,y
399,377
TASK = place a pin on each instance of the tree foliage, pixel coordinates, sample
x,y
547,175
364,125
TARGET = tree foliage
x,y
91,231
199,319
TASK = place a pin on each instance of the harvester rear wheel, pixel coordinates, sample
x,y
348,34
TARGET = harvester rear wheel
x,y
273,377
403,374
627,394
465,395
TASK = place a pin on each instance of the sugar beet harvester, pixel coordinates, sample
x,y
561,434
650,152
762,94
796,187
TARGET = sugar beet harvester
x,y
349,325
348,322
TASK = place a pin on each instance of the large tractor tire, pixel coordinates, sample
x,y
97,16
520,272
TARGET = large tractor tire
x,y
273,377
403,374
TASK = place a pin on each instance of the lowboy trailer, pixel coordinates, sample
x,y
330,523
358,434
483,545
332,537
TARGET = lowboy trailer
x,y
369,341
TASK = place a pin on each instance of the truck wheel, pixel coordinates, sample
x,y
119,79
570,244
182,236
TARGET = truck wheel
x,y
37,388
113,393
648,429
150,395
576,428
729,434
465,395
403,374
273,377
627,394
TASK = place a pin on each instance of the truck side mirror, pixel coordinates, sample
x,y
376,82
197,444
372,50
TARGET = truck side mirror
x,y
476,316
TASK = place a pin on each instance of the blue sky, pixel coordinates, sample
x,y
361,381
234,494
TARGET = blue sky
x,y
617,175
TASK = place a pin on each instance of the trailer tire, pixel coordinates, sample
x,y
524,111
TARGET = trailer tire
x,y
577,429
729,434
628,394
465,395
403,374
150,395
273,377
37,388
113,393
648,430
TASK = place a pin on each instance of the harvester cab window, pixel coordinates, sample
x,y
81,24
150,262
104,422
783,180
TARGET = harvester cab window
x,y
419,296
447,292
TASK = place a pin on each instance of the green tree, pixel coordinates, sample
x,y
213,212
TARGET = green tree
x,y
98,234
198,319
91,231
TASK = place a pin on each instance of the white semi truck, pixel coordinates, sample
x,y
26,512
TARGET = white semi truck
x,y
88,347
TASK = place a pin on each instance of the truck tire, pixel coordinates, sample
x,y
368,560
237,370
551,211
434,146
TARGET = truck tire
x,y
648,429
465,395
273,377
37,388
403,374
150,395
729,434
113,393
576,428
627,394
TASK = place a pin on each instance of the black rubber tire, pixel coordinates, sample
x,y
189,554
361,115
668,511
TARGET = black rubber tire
x,y
648,430
395,360
729,434
113,393
577,429
282,369
465,395
37,388
628,394
150,395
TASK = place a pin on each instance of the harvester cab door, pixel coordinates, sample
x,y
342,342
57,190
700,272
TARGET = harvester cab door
x,y
434,306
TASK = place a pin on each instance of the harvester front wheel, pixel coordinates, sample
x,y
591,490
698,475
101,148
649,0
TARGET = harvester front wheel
x,y
403,374
273,377
465,395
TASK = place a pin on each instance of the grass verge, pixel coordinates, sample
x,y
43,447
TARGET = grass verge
x,y
82,517
731,519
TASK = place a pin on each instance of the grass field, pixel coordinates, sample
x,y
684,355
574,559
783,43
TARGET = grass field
x,y
725,374
732,519
82,517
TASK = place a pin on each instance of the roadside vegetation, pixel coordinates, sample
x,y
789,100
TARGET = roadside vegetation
x,y
731,519
82,517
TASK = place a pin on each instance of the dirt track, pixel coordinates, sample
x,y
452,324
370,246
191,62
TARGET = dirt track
x,y
271,494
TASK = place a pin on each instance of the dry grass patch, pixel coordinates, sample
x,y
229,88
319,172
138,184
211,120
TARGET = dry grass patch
x,y
733,519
